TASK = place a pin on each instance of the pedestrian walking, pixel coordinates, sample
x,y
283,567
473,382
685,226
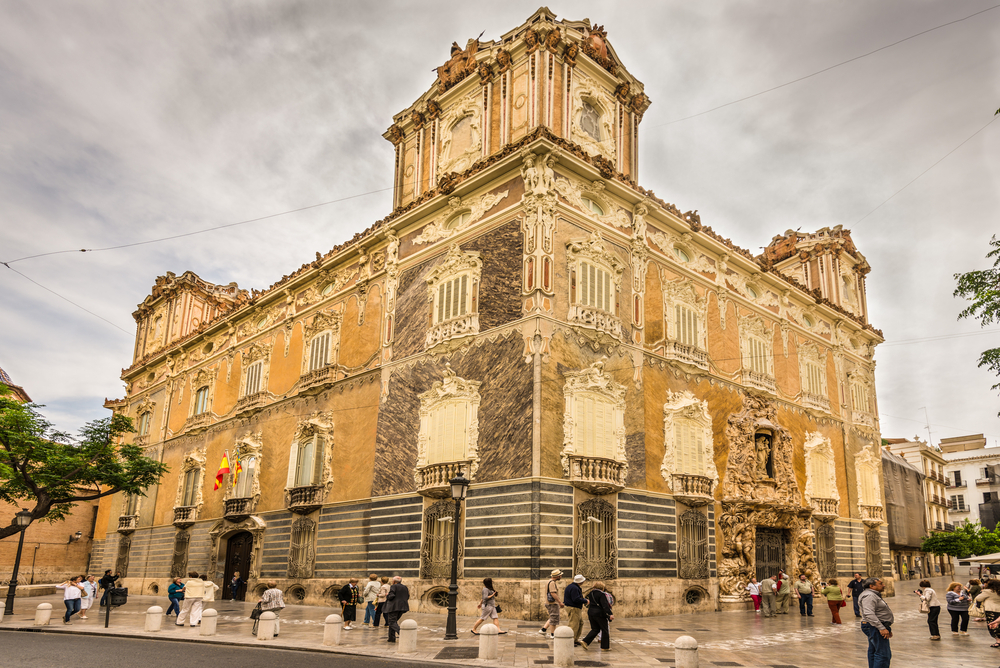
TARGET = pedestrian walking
x,y
175,594
834,599
210,589
107,581
929,600
236,587
575,603
383,591
552,603
958,607
599,613
856,586
89,595
804,591
754,588
349,596
784,595
397,604
989,599
72,592
768,596
876,623
194,593
272,600
370,596
489,610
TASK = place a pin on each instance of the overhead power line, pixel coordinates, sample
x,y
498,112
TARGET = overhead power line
x,y
827,69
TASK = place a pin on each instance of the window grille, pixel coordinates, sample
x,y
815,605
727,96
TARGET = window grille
x,y
178,565
596,548
302,553
596,287
253,378
826,544
439,527
201,400
692,545
687,325
121,563
319,351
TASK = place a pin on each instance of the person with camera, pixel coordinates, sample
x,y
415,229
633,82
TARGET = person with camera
x,y
72,593
929,600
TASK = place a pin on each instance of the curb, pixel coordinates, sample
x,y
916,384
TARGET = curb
x,y
223,643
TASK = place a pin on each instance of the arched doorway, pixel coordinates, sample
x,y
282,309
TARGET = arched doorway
x,y
239,549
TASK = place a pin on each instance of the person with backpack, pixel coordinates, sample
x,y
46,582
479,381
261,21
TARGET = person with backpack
x,y
552,603
599,613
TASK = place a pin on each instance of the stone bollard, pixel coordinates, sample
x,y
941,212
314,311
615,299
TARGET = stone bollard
x,y
331,630
154,617
488,642
3,606
686,652
265,627
209,621
43,613
407,637
562,646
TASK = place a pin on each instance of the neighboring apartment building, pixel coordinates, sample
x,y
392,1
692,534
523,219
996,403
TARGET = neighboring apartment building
x,y
929,460
633,397
53,551
973,487
904,490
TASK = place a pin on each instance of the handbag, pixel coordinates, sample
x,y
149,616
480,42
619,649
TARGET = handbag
x,y
977,610
924,608
256,612
843,604
499,609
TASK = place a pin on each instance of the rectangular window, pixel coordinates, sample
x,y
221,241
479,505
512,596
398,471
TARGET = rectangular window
x,y
594,428
687,326
958,477
987,497
253,379
309,462
859,397
758,356
201,401
319,351
958,502
453,298
190,487
244,481
596,289
690,447
814,379
448,433
144,423
130,505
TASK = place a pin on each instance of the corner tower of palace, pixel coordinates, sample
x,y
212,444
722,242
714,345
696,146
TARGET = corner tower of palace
x,y
632,396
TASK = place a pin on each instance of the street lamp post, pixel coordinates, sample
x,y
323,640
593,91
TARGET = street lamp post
x,y
459,487
23,519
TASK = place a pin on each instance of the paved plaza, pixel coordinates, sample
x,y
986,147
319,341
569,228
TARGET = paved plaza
x,y
724,638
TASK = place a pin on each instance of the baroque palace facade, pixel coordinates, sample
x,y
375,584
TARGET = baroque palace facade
x,y
633,397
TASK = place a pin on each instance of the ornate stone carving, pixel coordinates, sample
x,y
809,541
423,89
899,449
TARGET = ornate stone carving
x,y
454,160
593,380
260,320
738,524
683,293
461,64
328,283
684,405
194,460
455,263
248,445
573,191
450,389
587,90
742,480
439,228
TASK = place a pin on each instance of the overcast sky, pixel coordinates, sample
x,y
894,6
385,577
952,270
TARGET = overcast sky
x,y
127,121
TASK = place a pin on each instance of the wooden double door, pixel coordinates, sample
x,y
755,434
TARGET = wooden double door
x,y
239,550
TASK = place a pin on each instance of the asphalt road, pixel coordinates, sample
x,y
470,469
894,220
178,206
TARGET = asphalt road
x,y
50,650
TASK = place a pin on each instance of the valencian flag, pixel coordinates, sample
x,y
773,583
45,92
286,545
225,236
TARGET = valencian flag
x,y
239,470
223,470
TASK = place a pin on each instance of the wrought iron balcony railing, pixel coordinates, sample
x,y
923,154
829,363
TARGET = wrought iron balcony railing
x,y
597,475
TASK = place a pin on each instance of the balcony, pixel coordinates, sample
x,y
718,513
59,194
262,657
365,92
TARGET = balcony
x,y
239,509
957,485
596,475
692,490
467,325
199,421
940,500
958,509
759,381
141,441
184,516
128,523
863,417
686,354
251,403
433,479
939,526
825,509
816,402
872,515
985,482
305,499
949,527
602,321
318,378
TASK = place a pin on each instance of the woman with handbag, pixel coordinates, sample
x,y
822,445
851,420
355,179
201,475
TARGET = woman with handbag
x,y
930,604
489,606
834,598
989,600
599,613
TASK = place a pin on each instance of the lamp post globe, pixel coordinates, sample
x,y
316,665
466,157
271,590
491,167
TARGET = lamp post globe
x,y
22,519
459,488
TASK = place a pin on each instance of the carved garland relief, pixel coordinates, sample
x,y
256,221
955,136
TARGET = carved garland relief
x,y
457,206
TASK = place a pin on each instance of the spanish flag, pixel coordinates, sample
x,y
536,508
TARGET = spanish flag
x,y
223,470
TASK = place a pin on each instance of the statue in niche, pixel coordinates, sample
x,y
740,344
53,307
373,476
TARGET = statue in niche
x,y
763,452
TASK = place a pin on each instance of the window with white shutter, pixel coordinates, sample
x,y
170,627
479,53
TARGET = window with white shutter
x,y
319,351
449,432
310,456
757,355
814,379
690,446
595,288
244,479
254,372
687,438
595,426
144,420
686,321
201,400
190,490
453,297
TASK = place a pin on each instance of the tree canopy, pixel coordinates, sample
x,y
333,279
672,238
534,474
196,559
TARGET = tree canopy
x,y
50,472
982,288
968,539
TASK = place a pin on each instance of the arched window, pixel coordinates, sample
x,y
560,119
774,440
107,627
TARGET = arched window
x,y
449,426
201,400
595,281
594,430
453,290
826,544
593,206
756,348
687,325
178,564
681,254
688,453
321,336
821,471
458,220
590,121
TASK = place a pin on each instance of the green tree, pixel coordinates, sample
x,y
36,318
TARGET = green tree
x,y
52,472
982,288
967,539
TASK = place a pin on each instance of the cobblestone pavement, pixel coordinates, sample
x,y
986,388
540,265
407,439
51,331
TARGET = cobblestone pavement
x,y
724,638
